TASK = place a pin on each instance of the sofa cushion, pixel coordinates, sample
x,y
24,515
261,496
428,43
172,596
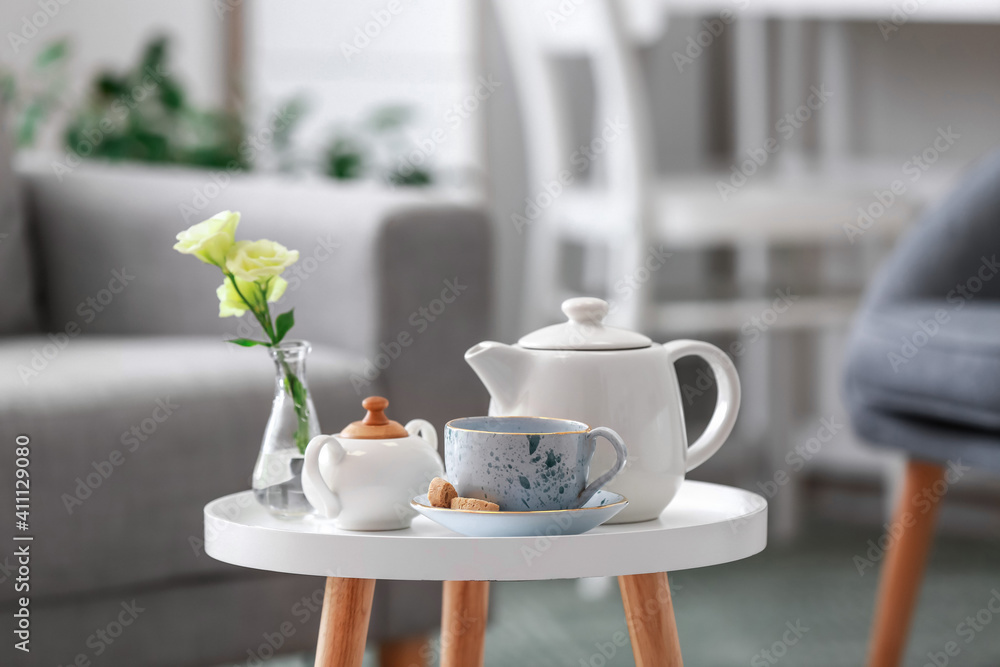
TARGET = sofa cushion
x,y
131,437
17,306
934,360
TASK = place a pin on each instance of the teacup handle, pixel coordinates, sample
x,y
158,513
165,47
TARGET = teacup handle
x,y
329,502
622,453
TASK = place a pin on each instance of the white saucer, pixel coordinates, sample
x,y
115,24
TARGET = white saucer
x,y
599,509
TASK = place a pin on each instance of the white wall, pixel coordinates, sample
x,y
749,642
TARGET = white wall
x,y
110,34
421,54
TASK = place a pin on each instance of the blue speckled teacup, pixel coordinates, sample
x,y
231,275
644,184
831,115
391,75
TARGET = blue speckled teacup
x,y
526,463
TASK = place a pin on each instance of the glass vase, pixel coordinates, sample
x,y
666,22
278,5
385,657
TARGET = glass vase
x,y
277,476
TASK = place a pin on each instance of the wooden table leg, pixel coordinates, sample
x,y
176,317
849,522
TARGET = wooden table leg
x,y
650,615
347,604
408,652
463,623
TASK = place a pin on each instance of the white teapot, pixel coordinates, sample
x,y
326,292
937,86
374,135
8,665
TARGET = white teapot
x,y
598,374
366,475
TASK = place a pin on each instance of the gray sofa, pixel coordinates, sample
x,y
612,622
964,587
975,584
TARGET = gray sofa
x,y
110,342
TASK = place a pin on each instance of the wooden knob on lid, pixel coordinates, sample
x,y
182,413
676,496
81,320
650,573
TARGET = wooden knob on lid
x,y
375,425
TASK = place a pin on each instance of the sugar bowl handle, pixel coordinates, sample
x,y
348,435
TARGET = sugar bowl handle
x,y
424,430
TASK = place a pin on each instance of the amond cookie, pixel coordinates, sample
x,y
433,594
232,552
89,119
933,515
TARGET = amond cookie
x,y
441,492
474,504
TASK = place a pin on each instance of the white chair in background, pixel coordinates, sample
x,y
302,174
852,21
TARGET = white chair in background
x,y
624,209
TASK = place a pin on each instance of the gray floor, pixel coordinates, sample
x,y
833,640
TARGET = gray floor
x,y
728,615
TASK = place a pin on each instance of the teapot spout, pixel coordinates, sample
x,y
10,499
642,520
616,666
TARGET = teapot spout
x,y
503,369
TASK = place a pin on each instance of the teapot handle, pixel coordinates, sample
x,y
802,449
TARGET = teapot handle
x,y
727,404
424,430
328,501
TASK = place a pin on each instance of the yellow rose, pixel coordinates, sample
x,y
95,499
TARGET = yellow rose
x,y
210,240
231,304
254,260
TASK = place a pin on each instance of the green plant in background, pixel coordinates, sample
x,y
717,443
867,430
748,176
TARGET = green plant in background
x,y
345,158
144,115
293,111
34,99
374,149
251,280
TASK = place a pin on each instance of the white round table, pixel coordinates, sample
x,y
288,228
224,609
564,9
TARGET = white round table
x,y
706,524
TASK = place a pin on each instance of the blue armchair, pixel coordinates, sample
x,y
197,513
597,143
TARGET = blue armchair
x,y
923,376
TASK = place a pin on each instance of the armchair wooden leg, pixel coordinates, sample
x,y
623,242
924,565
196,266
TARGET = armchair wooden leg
x,y
347,606
905,558
463,623
649,611
409,652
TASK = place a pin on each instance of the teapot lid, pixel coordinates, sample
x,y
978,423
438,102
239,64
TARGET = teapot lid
x,y
375,425
585,330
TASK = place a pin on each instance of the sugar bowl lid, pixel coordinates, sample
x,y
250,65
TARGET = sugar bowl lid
x,y
585,330
375,425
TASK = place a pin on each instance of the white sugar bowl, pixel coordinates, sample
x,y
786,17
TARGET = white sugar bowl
x,y
365,476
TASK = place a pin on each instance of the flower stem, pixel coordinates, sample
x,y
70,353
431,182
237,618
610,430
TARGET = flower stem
x,y
296,390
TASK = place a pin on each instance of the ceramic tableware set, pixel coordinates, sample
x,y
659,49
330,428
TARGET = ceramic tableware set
x,y
554,396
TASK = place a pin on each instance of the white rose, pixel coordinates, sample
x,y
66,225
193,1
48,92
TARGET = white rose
x,y
257,260
211,240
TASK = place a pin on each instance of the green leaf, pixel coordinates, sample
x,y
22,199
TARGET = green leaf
x,y
52,53
416,177
390,117
246,342
282,325
30,119
109,84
